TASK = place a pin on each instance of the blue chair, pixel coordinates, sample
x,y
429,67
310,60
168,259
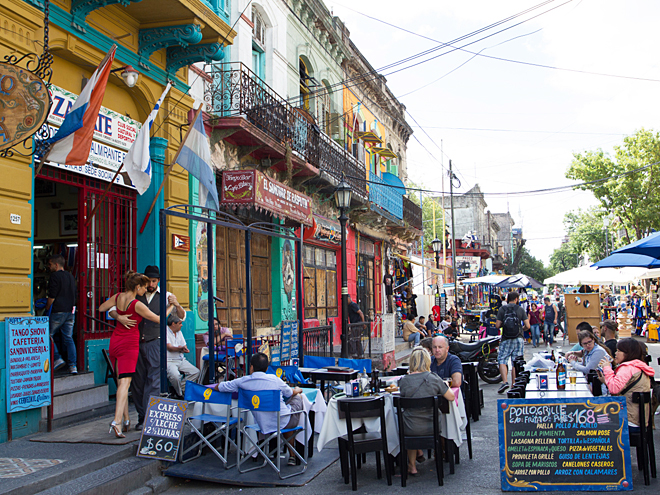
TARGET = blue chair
x,y
266,401
290,374
318,362
223,425
356,364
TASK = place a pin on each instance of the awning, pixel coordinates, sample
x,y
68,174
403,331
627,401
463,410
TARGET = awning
x,y
394,181
253,188
369,137
382,151
433,270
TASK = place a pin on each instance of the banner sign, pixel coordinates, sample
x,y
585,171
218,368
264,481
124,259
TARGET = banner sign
x,y
28,363
251,187
327,230
163,429
577,444
25,100
113,136
468,264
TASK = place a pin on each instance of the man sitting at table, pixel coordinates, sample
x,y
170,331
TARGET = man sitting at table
x,y
258,380
410,332
445,365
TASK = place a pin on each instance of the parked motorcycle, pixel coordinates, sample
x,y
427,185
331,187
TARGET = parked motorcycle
x,y
484,352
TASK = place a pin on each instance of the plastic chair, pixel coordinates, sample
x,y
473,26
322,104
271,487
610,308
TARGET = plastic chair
x,y
643,440
409,442
318,362
356,364
352,444
291,374
223,425
266,401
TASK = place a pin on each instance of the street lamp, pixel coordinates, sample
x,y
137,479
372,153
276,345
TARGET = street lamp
x,y
437,247
343,199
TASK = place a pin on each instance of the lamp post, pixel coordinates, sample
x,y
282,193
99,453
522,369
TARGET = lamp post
x,y
343,199
437,247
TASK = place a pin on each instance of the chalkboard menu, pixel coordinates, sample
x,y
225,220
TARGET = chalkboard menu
x,y
163,428
564,444
289,340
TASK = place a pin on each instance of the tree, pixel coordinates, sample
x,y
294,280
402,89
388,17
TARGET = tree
x,y
564,258
428,204
531,266
586,233
631,197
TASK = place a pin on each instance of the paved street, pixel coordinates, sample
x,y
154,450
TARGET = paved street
x,y
473,477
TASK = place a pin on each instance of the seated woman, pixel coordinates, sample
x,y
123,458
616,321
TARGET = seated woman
x,y
592,352
632,374
420,382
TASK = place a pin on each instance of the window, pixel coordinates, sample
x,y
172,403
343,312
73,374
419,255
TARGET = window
x,y
305,81
258,44
365,286
320,283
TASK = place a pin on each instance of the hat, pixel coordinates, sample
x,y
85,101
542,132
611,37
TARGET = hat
x,y
152,271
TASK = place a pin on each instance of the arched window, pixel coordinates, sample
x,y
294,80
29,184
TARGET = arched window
x,y
258,44
305,87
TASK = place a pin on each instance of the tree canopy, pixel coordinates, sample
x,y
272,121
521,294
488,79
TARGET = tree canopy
x,y
622,189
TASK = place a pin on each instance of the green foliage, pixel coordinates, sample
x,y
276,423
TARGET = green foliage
x,y
427,217
531,266
563,258
632,198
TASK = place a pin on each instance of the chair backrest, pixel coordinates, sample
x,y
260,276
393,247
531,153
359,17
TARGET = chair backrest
x,y
363,407
356,364
232,349
259,400
432,402
199,393
291,373
643,398
318,361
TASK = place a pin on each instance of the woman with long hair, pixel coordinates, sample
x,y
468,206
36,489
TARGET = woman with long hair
x,y
592,352
125,342
632,374
535,323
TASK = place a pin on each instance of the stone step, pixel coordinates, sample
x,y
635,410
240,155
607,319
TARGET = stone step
x,y
77,399
121,477
66,383
76,416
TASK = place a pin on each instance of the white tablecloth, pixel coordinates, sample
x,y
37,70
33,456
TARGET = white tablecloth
x,y
453,424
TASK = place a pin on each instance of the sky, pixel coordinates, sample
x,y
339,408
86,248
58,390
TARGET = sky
x,y
513,127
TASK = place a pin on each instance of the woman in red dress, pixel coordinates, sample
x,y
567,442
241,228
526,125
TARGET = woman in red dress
x,y
125,342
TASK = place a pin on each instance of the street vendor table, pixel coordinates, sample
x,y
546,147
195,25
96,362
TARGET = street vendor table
x,y
453,424
323,374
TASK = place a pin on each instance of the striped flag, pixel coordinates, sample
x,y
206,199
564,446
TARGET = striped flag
x,y
72,142
195,157
137,161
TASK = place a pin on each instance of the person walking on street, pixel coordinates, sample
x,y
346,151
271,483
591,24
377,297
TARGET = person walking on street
x,y
61,303
535,323
355,315
513,321
146,381
550,313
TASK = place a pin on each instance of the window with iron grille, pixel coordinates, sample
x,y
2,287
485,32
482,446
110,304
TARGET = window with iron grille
x,y
320,282
258,29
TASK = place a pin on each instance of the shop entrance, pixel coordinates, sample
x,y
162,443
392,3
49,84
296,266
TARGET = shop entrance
x,y
97,254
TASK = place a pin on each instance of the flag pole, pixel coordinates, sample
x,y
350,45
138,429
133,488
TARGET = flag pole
x,y
169,170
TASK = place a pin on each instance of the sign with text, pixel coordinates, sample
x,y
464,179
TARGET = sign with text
x,y
251,187
163,429
113,137
564,444
289,340
468,264
28,363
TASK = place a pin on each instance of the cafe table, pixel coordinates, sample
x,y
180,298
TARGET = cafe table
x,y
572,390
453,424
323,374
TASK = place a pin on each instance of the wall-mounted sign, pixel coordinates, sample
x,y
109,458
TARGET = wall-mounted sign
x,y
28,363
113,136
181,242
251,187
468,264
564,444
25,101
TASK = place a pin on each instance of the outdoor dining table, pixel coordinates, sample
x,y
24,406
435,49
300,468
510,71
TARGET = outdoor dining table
x,y
322,375
579,389
453,424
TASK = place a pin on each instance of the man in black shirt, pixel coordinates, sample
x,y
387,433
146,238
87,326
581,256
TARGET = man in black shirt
x,y
608,333
61,301
355,315
388,282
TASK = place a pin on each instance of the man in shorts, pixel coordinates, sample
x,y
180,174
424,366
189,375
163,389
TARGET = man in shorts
x,y
513,321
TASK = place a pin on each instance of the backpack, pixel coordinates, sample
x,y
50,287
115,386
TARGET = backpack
x,y
511,325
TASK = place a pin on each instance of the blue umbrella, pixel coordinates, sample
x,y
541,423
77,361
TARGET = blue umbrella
x,y
649,246
618,260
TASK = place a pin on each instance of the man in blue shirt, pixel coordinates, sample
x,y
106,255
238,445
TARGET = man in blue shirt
x,y
445,365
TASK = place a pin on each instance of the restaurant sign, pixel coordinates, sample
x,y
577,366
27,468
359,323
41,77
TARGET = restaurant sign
x,y
251,187
114,134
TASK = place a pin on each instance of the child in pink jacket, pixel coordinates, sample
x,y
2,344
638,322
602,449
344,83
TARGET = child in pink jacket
x,y
632,374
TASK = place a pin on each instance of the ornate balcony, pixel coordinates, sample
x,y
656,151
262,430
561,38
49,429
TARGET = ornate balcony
x,y
385,197
412,214
235,92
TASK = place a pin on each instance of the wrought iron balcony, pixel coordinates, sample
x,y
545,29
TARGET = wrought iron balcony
x,y
385,196
412,214
237,91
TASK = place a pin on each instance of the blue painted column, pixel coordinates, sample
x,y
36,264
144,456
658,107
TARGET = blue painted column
x,y
147,242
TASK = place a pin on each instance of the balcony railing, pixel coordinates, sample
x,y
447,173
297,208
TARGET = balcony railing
x,y
385,196
412,214
237,91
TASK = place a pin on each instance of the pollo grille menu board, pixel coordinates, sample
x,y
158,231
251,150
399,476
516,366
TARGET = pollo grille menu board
x,y
576,444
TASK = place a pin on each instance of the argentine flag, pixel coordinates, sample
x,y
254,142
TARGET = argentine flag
x,y
195,157
137,161
71,143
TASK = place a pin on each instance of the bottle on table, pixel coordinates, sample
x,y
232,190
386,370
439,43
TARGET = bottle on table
x,y
552,356
364,382
561,375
